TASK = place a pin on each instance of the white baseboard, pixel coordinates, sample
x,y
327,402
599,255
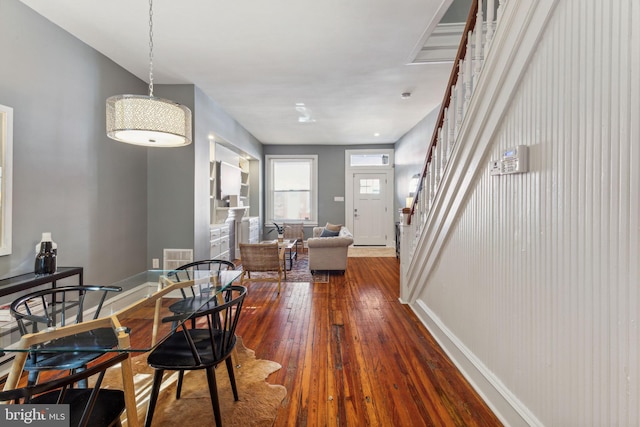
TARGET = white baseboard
x,y
498,397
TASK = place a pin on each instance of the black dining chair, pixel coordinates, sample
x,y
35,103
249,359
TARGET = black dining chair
x,y
94,407
198,295
204,346
56,307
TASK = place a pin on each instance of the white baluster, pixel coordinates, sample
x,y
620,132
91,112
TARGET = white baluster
x,y
443,152
477,49
426,190
501,4
452,132
445,137
435,159
490,26
459,99
424,202
432,196
453,109
468,76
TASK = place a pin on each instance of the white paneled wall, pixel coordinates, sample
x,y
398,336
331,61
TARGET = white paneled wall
x,y
538,276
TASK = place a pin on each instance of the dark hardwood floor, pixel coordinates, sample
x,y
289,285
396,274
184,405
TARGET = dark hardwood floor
x,y
353,355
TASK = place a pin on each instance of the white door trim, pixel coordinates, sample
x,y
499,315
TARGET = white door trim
x,y
387,169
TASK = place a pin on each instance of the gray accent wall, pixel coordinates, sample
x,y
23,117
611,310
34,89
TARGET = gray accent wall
x,y
331,179
68,177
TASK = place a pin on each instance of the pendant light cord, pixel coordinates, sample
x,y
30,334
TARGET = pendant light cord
x,y
151,48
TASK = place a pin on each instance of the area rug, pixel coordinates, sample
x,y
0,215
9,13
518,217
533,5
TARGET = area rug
x,y
258,404
300,272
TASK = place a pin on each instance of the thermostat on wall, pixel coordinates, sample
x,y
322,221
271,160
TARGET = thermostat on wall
x,y
514,160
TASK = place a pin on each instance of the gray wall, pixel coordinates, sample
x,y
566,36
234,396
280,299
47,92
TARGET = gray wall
x,y
331,178
111,207
171,195
410,154
68,177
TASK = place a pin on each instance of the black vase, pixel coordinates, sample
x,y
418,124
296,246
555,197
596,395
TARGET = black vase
x,y
46,259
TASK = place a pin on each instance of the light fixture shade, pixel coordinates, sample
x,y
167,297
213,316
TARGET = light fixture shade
x,y
149,121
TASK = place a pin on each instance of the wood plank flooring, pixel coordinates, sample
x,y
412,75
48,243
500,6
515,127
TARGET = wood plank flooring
x,y
352,355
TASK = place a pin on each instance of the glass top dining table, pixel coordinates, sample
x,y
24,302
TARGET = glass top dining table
x,y
136,313
139,316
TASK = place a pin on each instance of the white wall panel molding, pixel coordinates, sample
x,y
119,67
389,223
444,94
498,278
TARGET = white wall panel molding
x,y
521,27
531,282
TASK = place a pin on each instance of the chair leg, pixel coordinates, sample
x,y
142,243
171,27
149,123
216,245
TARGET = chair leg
x,y
153,397
213,391
33,377
232,377
82,383
179,386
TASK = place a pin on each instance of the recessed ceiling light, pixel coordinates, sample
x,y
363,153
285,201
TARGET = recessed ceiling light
x,y
376,134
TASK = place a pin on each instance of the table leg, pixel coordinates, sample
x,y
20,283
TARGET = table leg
x,y
126,370
129,392
16,371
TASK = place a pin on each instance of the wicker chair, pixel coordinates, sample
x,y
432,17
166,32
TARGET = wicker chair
x,y
261,257
294,230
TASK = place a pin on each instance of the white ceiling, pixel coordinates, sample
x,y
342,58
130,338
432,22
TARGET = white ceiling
x,y
348,61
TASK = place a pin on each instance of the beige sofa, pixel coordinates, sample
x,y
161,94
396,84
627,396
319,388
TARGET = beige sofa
x,y
329,253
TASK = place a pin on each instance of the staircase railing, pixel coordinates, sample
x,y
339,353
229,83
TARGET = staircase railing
x,y
474,47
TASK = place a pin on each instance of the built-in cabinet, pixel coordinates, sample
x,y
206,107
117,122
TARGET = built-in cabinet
x,y
229,188
244,182
230,200
219,239
250,230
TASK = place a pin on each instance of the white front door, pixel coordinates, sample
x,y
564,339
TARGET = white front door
x,y
369,211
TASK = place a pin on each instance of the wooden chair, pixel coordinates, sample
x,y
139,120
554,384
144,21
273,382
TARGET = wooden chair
x,y
94,407
203,347
59,307
294,230
261,257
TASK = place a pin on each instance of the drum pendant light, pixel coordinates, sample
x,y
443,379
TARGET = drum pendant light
x,y
147,120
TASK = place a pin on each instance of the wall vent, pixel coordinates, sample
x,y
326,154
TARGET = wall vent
x,y
174,258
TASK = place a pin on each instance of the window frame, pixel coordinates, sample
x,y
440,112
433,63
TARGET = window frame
x,y
270,159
